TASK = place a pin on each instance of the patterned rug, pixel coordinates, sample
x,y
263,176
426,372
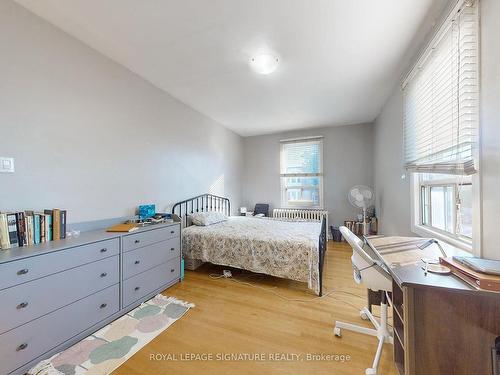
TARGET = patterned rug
x,y
108,348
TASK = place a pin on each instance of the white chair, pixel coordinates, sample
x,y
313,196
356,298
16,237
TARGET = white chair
x,y
371,273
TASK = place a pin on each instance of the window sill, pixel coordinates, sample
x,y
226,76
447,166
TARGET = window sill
x,y
429,233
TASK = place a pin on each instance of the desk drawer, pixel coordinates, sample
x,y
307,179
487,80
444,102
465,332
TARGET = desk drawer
x,y
140,285
23,344
140,260
137,240
25,302
23,270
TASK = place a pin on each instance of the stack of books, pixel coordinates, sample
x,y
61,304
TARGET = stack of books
x,y
31,228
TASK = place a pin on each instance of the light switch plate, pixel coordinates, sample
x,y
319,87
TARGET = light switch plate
x,y
6,165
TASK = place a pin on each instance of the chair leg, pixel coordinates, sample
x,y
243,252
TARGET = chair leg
x,y
373,370
353,328
381,332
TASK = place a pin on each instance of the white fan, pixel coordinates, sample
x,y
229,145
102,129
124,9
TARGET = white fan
x,y
361,196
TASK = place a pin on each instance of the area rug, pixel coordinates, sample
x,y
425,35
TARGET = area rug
x,y
108,348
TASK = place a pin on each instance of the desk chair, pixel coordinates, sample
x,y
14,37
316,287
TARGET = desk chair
x,y
369,272
261,208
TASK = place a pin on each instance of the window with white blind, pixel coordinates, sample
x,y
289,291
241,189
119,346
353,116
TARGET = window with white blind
x,y
441,127
302,173
441,99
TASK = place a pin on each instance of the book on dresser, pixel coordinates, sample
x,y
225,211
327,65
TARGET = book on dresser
x,y
4,232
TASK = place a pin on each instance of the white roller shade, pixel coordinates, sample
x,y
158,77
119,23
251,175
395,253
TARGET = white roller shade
x,y
441,99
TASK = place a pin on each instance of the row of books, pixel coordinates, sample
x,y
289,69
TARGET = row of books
x,y
31,228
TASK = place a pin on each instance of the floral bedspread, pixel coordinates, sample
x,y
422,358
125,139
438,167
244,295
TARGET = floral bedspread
x,y
279,248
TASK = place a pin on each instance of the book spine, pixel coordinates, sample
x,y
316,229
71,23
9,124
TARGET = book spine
x,y
30,230
48,225
21,229
56,224
49,228
63,224
4,232
36,229
42,228
12,226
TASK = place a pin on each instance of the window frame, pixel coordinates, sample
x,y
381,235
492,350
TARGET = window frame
x,y
283,187
473,245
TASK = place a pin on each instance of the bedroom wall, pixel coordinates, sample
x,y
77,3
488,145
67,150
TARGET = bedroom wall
x,y
347,152
393,194
89,136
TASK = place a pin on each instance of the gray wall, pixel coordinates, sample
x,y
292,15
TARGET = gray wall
x,y
89,136
392,199
347,152
393,194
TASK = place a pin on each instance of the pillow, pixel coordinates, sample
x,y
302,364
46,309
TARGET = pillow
x,y
207,218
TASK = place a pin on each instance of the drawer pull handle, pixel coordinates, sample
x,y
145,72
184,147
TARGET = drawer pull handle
x,y
23,272
172,249
137,241
137,288
104,274
22,305
21,347
137,262
103,250
172,270
172,231
103,305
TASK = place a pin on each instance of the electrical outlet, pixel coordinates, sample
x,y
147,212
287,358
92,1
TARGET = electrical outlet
x,y
6,165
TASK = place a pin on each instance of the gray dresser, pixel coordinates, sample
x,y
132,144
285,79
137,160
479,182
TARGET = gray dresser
x,y
55,294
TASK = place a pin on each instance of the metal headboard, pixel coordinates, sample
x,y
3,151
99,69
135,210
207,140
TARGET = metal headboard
x,y
201,203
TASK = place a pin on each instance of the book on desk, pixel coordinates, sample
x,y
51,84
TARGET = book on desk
x,y
477,280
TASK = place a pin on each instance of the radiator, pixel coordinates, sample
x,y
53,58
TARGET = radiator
x,y
309,214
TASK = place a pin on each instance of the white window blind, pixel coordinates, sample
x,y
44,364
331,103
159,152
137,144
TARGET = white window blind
x,y
301,172
441,99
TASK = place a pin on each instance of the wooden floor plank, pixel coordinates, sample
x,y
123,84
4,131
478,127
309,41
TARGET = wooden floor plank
x,y
232,317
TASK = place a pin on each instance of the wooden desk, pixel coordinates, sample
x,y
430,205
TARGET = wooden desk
x,y
441,324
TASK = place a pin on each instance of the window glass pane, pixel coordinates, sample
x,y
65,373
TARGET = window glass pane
x,y
442,202
424,191
465,217
302,191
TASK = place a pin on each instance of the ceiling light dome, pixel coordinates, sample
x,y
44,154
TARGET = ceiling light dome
x,y
264,64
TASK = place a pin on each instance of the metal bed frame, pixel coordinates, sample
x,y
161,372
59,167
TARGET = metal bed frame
x,y
209,203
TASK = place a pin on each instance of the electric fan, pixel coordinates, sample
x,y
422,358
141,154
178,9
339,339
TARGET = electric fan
x,y
361,196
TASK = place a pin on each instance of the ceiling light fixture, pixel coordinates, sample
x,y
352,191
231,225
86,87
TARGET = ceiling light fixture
x,y
264,64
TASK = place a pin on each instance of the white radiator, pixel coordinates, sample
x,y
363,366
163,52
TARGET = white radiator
x,y
309,214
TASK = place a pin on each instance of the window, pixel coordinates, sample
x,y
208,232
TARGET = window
x,y
441,122
446,204
302,173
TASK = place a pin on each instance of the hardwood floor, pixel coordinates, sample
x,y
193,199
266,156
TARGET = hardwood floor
x,y
231,317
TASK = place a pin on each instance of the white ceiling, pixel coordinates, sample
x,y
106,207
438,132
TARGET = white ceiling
x,y
339,59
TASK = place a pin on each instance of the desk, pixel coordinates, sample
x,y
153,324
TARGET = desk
x,y
441,324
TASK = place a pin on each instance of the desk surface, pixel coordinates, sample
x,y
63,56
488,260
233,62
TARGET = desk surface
x,y
403,258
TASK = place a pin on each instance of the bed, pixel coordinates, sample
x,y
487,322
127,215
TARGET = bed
x,y
288,249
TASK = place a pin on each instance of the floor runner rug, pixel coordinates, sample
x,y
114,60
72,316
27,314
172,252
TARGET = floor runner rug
x,y
108,348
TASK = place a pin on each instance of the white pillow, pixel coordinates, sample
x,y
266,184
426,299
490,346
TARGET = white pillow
x,y
207,218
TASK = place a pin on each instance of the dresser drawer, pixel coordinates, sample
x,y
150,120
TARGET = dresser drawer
x,y
23,270
23,303
23,344
137,240
140,285
140,260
